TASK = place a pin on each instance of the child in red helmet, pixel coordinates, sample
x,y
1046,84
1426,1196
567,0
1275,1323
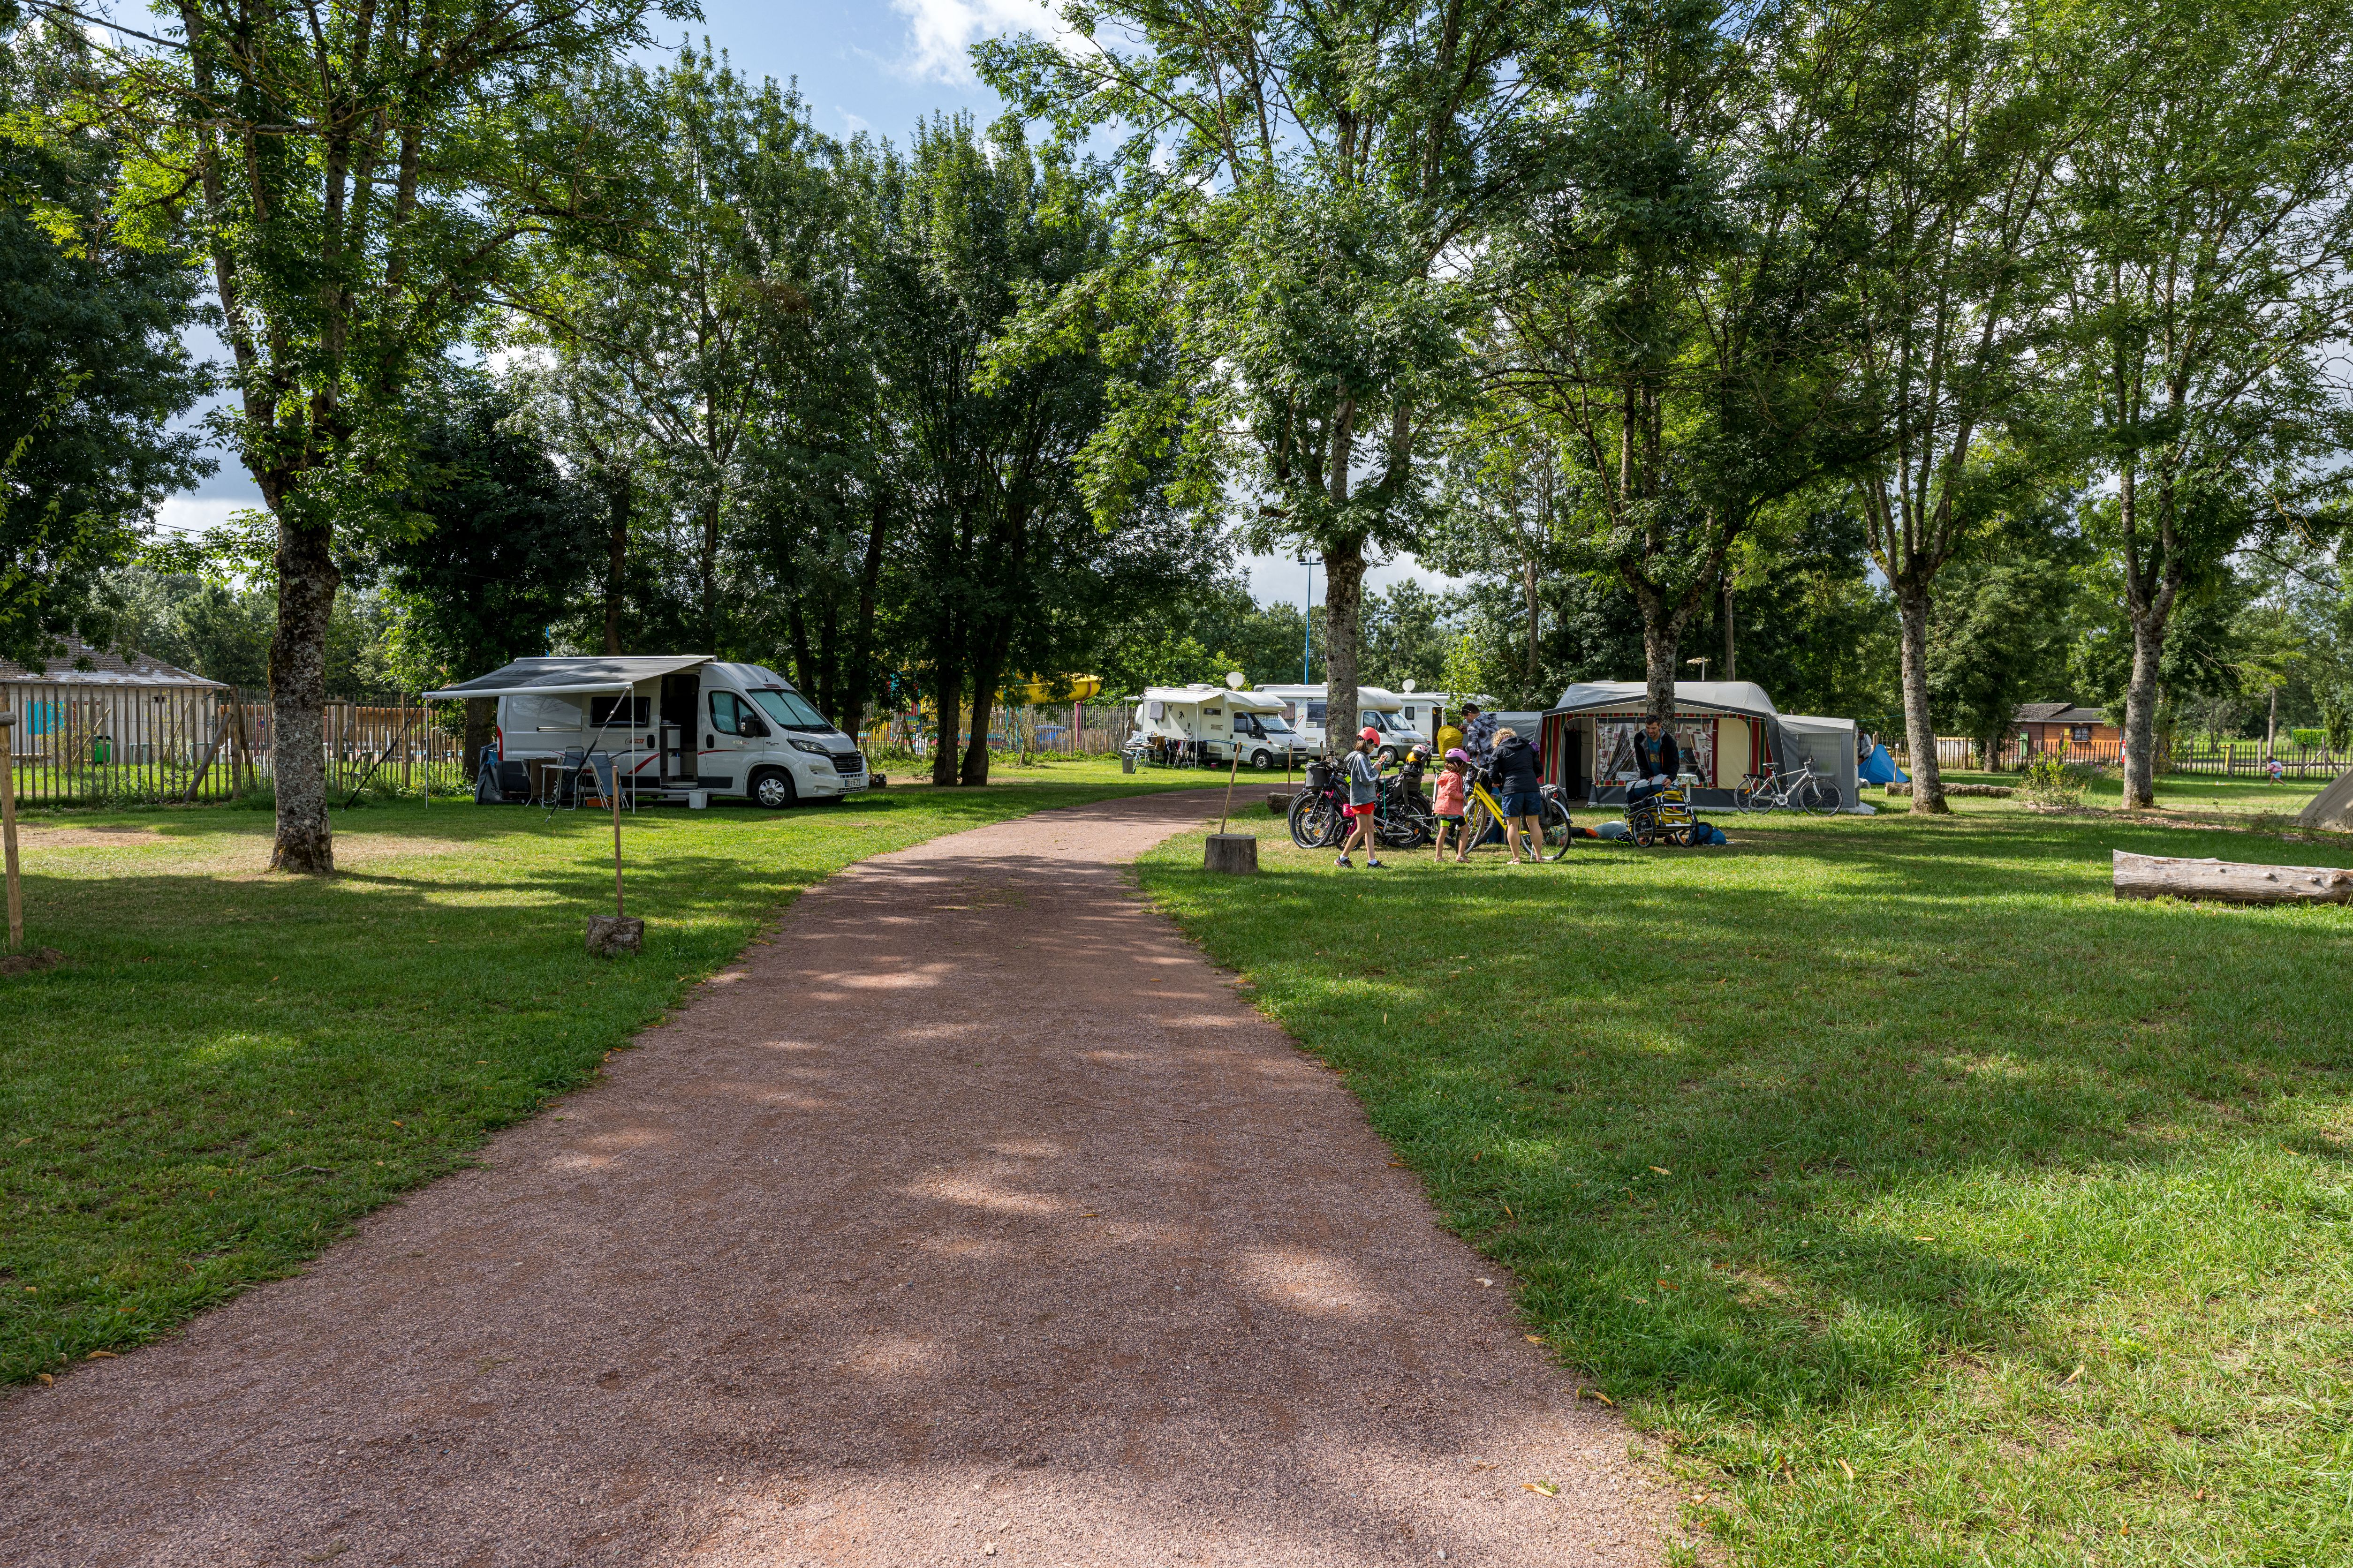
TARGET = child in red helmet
x,y
1363,777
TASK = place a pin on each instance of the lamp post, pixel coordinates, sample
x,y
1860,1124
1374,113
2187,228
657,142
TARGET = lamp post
x,y
1307,620
1703,667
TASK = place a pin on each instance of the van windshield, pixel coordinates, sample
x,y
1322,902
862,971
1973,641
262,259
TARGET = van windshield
x,y
789,708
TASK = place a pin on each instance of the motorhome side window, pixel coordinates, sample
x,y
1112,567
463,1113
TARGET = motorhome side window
x,y
1316,711
723,712
604,710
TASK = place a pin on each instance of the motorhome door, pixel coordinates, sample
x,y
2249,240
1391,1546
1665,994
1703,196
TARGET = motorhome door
x,y
681,694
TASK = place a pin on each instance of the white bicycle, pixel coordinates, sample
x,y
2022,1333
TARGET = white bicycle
x,y
1804,789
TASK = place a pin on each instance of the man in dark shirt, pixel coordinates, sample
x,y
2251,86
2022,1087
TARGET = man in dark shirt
x,y
1655,755
1657,761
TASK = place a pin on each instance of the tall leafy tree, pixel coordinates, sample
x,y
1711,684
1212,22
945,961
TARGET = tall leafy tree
x,y
1982,102
506,547
667,344
2214,277
1301,185
1677,297
92,367
357,177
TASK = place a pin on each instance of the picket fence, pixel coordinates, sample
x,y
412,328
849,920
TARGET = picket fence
x,y
2222,759
101,744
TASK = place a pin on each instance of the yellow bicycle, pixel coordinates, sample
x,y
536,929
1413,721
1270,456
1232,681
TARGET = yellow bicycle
x,y
1483,814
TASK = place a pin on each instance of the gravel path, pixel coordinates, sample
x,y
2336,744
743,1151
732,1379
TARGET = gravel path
x,y
972,1219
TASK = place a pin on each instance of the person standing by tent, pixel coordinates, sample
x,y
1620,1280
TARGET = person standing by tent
x,y
1519,790
1478,736
1363,777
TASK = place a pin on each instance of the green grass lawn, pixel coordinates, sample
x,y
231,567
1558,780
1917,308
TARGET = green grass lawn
x,y
232,1066
2179,796
1924,1204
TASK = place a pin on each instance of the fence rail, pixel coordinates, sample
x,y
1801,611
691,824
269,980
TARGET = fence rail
x,y
1095,727
100,744
2222,759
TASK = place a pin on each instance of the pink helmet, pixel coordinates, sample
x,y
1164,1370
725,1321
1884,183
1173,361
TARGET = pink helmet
x,y
1457,754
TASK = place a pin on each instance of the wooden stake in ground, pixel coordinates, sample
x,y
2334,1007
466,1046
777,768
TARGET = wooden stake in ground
x,y
619,913
8,831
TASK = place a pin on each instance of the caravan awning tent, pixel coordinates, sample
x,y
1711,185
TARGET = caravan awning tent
x,y
1724,728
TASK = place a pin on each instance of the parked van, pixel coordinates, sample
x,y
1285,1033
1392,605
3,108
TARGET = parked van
x,y
1376,708
1215,725
674,725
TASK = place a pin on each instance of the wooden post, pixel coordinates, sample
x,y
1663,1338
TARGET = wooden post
x,y
8,831
404,743
614,791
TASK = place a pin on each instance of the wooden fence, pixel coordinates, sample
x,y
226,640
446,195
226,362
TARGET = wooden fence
x,y
2221,759
98,743
1101,724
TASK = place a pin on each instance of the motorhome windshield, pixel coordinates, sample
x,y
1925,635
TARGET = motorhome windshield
x,y
789,708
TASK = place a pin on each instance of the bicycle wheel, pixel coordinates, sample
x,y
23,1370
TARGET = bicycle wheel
x,y
1312,821
1751,794
1819,798
1477,823
1558,831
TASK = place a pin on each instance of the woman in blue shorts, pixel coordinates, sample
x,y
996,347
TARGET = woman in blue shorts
x,y
1519,788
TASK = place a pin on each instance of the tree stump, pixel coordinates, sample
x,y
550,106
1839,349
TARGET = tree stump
x,y
1236,853
2229,882
1278,803
610,936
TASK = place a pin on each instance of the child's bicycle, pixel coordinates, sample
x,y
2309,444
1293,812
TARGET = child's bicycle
x,y
1483,814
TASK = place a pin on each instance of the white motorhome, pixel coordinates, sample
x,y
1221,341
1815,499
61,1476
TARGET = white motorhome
x,y
1376,708
674,726
1219,724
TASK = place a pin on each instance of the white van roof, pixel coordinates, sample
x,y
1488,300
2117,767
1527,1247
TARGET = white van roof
x,y
581,676
1240,701
1380,698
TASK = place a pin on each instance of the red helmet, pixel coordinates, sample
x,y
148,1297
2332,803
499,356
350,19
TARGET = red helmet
x,y
1368,733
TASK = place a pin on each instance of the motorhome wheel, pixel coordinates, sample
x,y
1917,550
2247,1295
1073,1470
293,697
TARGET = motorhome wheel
x,y
773,787
1263,760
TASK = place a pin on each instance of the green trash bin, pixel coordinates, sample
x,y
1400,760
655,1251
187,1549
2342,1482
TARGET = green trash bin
x,y
101,751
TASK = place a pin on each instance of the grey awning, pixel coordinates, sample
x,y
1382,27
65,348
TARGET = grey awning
x,y
585,676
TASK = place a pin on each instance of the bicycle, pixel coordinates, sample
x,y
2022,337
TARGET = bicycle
x,y
1319,820
1801,791
1482,813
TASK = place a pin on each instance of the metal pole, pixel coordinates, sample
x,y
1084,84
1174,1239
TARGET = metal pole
x,y
8,831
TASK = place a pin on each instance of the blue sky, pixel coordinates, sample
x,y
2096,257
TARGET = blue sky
x,y
880,68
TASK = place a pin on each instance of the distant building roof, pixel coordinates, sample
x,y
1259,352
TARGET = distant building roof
x,y
2057,713
82,665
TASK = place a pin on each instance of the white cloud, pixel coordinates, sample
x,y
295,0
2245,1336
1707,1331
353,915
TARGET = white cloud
x,y
1281,579
941,31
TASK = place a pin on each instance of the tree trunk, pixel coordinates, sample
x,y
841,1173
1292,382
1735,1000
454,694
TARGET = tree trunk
x,y
618,502
975,748
1919,727
307,580
1343,593
804,667
482,722
2140,710
2271,729
949,696
1731,670
1528,584
1660,644
861,650
710,564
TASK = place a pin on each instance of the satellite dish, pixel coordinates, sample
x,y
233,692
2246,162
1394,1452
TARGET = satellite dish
x,y
1409,683
1234,679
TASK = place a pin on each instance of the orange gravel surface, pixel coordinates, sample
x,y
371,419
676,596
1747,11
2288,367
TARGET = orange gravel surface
x,y
971,1218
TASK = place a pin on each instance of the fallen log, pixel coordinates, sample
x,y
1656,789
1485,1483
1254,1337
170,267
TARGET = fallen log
x,y
2227,881
1979,791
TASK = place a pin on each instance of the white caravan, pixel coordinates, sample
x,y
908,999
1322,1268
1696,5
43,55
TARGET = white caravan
x,y
1376,708
674,726
1220,723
